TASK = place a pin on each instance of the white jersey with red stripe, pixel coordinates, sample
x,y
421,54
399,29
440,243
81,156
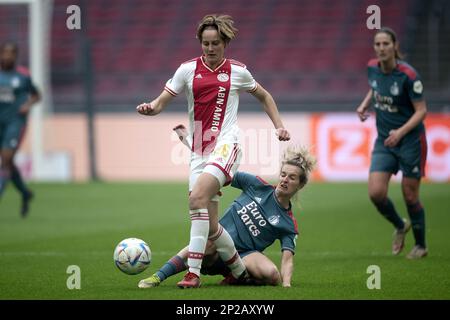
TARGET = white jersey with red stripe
x,y
213,100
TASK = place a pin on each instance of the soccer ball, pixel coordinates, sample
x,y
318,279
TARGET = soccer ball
x,y
132,256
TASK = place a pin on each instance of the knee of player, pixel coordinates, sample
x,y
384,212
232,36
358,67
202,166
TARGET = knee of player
x,y
210,248
377,196
411,198
7,163
198,201
274,277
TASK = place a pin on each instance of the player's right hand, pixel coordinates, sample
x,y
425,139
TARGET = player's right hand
x,y
145,109
362,113
283,134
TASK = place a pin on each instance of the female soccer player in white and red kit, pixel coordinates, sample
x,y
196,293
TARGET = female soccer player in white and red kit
x,y
212,84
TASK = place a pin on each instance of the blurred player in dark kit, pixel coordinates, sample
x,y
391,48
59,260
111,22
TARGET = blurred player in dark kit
x,y
17,96
396,91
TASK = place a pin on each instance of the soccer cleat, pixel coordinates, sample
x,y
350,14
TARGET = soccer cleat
x,y
417,252
150,282
190,280
399,238
230,280
26,198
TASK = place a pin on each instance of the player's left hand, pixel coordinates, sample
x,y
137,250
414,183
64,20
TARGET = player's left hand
x,y
181,131
24,109
283,134
393,139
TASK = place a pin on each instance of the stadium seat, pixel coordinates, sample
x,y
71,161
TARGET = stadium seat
x,y
298,49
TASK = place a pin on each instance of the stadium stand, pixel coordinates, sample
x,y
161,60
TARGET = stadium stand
x,y
308,53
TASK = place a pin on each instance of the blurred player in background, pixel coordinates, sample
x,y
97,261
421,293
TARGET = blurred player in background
x,y
17,95
259,216
212,84
397,93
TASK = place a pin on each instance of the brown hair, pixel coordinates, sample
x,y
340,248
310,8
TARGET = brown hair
x,y
222,23
302,158
393,35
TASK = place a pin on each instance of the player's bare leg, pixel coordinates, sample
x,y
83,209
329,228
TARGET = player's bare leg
x,y
213,211
378,186
262,270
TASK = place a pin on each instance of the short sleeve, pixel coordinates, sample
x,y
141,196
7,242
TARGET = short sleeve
x,y
245,80
372,66
177,83
289,242
30,87
415,88
242,180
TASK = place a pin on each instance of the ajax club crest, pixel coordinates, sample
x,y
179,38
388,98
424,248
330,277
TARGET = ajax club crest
x,y
223,77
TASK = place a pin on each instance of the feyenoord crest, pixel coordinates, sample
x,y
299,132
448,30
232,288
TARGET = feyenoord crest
x,y
274,220
223,77
374,84
15,82
394,89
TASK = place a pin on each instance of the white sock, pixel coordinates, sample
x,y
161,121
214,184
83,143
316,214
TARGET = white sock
x,y
227,251
199,236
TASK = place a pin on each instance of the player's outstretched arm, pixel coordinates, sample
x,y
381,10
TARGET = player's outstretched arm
x,y
270,107
156,106
364,106
287,267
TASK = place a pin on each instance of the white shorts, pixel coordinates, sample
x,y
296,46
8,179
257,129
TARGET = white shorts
x,y
222,163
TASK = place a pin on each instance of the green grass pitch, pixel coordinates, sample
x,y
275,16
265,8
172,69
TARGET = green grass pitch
x,y
341,234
